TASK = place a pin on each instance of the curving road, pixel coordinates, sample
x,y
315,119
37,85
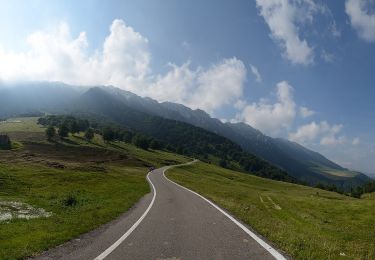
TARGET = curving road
x,y
170,223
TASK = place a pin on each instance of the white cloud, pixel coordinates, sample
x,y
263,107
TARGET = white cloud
x,y
240,104
208,89
186,45
361,18
334,30
327,57
56,56
284,18
255,71
272,118
355,141
322,132
305,112
305,133
123,61
125,58
332,140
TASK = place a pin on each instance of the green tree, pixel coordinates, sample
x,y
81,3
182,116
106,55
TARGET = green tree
x,y
89,134
357,192
223,163
127,136
108,134
141,142
180,150
155,145
73,126
50,132
83,124
63,130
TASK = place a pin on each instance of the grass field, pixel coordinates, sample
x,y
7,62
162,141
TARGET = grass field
x,y
23,124
71,181
306,223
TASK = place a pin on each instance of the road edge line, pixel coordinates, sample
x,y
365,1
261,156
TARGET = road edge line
x,y
110,249
260,241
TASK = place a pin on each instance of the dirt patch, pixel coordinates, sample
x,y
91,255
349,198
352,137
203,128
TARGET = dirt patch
x,y
73,154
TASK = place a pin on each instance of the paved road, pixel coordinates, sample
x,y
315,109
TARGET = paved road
x,y
176,224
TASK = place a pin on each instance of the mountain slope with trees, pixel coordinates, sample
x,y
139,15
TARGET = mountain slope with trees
x,y
305,165
177,136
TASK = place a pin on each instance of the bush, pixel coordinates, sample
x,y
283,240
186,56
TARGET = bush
x,y
70,201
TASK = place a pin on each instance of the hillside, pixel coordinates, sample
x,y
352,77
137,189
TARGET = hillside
x,y
181,137
305,165
304,222
58,184
301,163
103,179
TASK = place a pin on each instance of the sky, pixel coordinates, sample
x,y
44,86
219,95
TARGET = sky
x,y
297,69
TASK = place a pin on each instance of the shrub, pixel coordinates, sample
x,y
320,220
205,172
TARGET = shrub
x,y
70,201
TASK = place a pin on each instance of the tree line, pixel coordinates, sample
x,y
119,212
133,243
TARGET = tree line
x,y
181,140
172,136
355,192
366,188
61,126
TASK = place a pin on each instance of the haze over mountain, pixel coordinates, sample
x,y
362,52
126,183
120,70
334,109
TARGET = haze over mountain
x,y
118,105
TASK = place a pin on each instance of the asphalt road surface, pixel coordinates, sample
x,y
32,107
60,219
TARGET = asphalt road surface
x,y
170,223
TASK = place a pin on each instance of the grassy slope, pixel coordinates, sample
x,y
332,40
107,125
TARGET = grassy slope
x,y
24,124
305,222
104,179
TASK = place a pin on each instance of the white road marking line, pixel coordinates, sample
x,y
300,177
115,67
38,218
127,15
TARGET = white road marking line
x,y
266,246
135,225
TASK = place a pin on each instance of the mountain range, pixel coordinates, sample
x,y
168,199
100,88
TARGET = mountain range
x,y
116,104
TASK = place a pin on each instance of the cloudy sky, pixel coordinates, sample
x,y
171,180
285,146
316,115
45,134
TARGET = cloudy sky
x,y
298,69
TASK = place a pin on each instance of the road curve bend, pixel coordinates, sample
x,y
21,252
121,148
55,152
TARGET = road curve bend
x,y
172,222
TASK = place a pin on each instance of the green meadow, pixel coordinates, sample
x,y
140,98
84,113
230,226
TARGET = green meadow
x,y
304,222
71,180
